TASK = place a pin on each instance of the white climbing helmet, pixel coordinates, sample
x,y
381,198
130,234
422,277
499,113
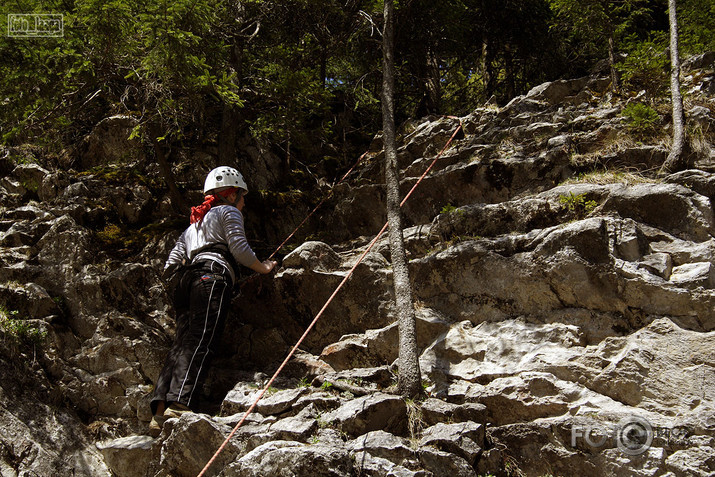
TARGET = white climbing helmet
x,y
222,177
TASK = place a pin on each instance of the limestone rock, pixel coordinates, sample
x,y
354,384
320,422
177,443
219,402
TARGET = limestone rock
x,y
242,397
39,438
369,465
381,444
492,350
696,180
445,463
434,411
557,91
31,298
128,456
659,264
634,371
669,207
52,186
292,458
189,442
547,304
691,275
466,439
313,256
376,347
698,461
109,142
370,413
547,397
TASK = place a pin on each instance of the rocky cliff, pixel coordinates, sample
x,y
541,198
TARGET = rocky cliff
x,y
565,297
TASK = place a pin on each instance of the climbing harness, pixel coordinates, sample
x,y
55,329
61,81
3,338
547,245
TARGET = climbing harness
x,y
327,303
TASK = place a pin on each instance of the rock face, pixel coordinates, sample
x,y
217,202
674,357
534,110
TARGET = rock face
x,y
566,326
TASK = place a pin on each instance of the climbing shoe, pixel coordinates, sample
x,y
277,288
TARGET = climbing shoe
x,y
176,410
157,422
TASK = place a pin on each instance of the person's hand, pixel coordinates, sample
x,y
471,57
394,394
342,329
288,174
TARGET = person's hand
x,y
269,264
263,267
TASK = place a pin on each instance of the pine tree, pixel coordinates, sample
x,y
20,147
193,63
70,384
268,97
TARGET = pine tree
x,y
675,160
602,22
409,379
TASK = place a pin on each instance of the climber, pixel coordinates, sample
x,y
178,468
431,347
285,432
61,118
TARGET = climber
x,y
205,260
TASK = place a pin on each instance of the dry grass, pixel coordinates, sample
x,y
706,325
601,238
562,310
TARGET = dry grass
x,y
613,177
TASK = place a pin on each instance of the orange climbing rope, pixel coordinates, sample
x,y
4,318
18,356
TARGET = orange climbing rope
x,y
327,303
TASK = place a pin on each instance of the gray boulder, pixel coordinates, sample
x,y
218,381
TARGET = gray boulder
x,y
373,412
288,458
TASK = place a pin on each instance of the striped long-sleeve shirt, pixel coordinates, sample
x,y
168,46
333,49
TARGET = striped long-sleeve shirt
x,y
223,224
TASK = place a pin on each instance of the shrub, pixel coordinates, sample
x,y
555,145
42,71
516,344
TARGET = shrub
x,y
578,204
646,66
448,209
18,331
640,117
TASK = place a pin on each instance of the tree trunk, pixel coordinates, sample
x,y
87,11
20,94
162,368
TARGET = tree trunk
x,y
509,80
612,63
486,66
431,94
675,160
227,136
409,378
177,200
434,91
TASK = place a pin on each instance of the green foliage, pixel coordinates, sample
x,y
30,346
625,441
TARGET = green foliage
x,y
696,22
19,331
304,76
449,209
114,175
590,23
122,240
577,204
646,66
640,117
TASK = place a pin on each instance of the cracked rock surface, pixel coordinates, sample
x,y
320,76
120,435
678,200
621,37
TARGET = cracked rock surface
x,y
566,326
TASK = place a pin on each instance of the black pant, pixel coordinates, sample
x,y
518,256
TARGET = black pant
x,y
201,302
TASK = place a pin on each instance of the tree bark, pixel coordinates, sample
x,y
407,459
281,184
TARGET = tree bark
x,y
486,66
612,63
409,376
431,96
675,160
227,136
177,200
434,93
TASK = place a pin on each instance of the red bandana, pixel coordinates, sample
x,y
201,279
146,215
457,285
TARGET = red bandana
x,y
198,212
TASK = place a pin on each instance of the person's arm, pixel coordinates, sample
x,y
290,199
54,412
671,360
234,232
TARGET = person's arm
x,y
263,267
177,256
238,244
